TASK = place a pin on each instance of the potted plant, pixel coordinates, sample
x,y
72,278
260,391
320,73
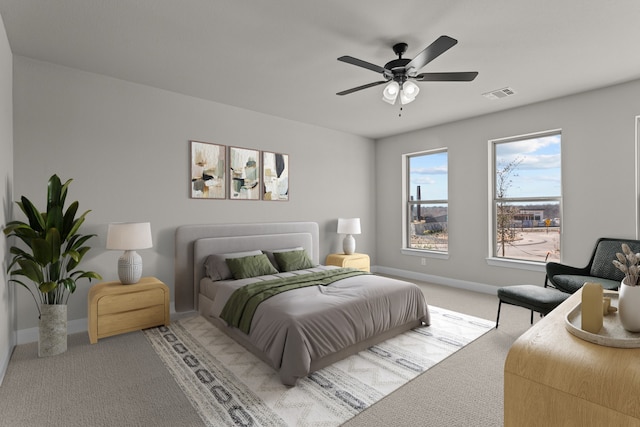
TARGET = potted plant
x,y
50,252
629,295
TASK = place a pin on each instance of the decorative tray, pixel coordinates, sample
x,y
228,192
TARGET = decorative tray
x,y
612,333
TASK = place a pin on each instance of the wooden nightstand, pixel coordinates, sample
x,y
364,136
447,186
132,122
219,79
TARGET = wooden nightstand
x,y
115,308
360,261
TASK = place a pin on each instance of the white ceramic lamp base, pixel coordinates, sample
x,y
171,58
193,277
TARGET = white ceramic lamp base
x,y
349,244
129,268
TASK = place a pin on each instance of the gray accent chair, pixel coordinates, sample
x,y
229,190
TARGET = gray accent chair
x,y
600,268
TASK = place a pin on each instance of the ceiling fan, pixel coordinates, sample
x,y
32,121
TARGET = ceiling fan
x,y
400,72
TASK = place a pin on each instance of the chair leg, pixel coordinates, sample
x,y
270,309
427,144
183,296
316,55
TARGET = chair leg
x,y
498,318
532,317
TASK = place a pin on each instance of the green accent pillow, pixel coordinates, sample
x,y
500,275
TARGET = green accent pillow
x,y
293,260
250,266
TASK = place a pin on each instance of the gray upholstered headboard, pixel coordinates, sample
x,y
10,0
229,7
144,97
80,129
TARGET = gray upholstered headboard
x,y
194,242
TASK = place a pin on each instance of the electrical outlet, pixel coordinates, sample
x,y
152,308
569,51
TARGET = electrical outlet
x,y
423,261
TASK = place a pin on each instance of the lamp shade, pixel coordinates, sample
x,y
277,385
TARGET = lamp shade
x,y
349,225
129,236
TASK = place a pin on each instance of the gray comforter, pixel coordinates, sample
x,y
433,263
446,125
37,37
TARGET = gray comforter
x,y
294,328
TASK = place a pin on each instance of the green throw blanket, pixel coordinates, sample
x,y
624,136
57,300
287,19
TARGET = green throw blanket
x,y
243,303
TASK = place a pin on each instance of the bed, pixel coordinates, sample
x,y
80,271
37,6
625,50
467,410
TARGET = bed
x,y
302,330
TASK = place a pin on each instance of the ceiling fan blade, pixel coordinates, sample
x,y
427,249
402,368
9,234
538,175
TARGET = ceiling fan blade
x,y
355,89
361,63
431,52
447,77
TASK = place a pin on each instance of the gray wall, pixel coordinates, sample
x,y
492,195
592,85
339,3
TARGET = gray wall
x,y
126,147
7,323
599,182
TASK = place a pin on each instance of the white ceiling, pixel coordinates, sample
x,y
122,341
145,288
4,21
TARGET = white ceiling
x,y
278,57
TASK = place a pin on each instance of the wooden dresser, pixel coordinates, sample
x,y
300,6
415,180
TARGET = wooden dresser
x,y
115,308
552,378
360,261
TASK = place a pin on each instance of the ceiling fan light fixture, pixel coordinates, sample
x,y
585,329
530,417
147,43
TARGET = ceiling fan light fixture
x,y
390,92
409,92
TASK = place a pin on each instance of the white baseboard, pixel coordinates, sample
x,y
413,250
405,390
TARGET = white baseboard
x,y
73,326
31,334
438,280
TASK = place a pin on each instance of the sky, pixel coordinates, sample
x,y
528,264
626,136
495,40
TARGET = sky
x,y
537,172
430,173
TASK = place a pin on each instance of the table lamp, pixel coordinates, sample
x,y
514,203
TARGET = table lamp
x,y
129,236
349,226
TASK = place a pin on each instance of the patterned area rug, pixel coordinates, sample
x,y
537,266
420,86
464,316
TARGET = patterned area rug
x,y
229,386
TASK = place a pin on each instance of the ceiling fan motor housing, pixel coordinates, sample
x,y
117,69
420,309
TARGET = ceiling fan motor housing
x,y
398,66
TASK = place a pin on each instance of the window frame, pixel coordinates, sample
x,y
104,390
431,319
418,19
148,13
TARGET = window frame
x,y
407,203
492,258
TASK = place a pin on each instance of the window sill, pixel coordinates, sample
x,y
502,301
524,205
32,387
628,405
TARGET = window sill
x,y
517,264
425,254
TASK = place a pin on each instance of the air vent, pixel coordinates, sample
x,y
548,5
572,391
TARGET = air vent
x,y
500,93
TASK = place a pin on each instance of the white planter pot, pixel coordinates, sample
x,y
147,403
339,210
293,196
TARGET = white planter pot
x,y
629,307
52,330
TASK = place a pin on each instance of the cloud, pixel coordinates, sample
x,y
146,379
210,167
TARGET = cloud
x,y
530,154
433,170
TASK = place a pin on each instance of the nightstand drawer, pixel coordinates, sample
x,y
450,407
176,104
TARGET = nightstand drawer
x,y
112,324
110,304
361,263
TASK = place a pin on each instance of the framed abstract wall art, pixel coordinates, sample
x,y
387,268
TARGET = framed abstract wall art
x,y
275,176
208,171
244,174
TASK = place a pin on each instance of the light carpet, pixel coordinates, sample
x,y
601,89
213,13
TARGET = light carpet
x,y
227,385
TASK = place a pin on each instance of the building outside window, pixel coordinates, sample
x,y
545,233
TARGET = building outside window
x,y
527,197
426,196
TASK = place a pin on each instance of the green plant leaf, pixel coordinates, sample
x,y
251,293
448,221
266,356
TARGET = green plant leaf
x,y
54,270
18,251
54,188
36,221
54,241
86,275
76,257
41,251
54,218
30,291
77,223
46,287
63,191
69,217
69,284
78,240
30,269
16,225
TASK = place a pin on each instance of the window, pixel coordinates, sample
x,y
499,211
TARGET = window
x,y
527,197
427,201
